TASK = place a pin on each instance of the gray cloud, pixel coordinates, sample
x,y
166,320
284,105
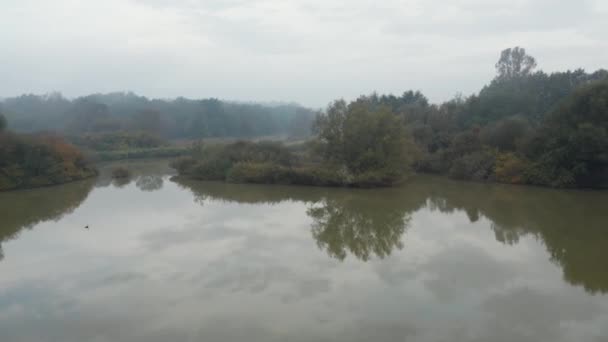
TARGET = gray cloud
x,y
306,51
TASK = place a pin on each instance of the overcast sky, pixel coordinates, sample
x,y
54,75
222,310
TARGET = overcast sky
x,y
310,52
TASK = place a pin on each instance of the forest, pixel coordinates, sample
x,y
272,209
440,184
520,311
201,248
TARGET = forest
x,y
525,127
101,114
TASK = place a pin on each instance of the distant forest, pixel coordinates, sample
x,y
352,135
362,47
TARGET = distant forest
x,y
171,119
524,127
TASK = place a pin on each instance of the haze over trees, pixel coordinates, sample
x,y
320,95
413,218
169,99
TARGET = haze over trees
x,y
171,119
359,144
524,127
2,123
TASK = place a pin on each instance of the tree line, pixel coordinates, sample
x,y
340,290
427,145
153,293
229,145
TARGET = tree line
x,y
525,127
180,118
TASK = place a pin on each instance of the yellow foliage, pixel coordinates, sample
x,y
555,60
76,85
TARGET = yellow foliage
x,y
509,168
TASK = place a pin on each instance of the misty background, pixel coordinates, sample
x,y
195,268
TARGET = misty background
x,y
310,52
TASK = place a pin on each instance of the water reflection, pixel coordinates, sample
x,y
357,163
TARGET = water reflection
x,y
147,174
573,225
149,183
363,223
433,260
349,223
25,208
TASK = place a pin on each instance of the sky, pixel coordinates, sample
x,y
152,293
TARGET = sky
x,y
310,52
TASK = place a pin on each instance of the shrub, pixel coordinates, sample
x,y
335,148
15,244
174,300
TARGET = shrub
x,y
183,165
118,141
39,160
264,173
121,172
477,166
214,162
509,168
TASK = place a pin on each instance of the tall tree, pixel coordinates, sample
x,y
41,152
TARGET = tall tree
x,y
368,143
514,62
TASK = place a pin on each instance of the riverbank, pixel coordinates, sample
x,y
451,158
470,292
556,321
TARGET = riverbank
x,y
31,161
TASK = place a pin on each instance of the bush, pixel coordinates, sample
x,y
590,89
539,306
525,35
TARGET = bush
x,y
545,172
214,162
477,166
214,169
121,172
39,160
509,168
184,165
118,141
264,173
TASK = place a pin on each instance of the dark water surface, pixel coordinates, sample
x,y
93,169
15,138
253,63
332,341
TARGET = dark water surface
x,y
173,260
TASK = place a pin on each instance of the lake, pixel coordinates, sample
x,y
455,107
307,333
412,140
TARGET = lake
x,y
165,259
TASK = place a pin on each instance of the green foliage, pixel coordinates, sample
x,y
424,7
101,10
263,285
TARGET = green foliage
x,y
368,142
476,166
572,146
262,173
524,127
528,97
184,165
269,163
118,141
214,162
267,173
505,134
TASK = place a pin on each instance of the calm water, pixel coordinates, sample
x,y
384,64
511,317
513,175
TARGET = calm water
x,y
169,260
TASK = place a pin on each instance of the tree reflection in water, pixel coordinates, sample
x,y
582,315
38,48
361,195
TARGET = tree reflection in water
x,y
366,223
24,209
573,225
351,224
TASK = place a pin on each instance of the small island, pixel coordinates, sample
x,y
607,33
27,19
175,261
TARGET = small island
x,y
355,145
